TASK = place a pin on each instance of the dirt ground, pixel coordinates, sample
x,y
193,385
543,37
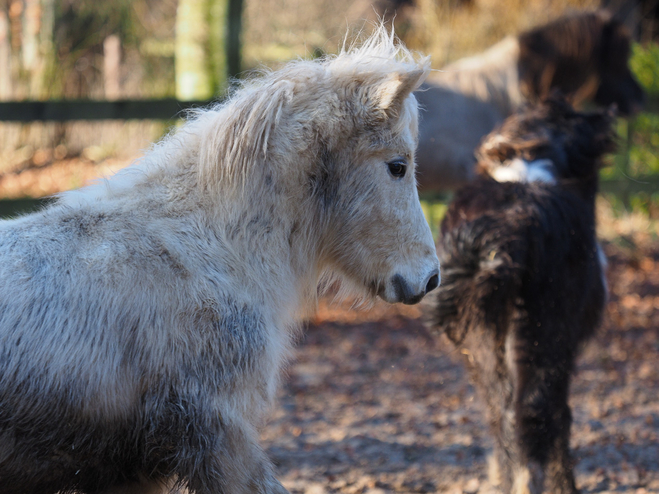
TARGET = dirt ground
x,y
374,404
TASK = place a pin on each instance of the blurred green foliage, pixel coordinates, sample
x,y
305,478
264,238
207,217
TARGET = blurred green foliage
x,y
645,65
434,211
638,138
638,143
82,24
640,154
642,202
644,149
146,30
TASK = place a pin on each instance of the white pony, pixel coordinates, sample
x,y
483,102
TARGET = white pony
x,y
144,320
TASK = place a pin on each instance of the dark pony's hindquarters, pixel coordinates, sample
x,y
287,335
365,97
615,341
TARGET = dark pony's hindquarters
x,y
522,290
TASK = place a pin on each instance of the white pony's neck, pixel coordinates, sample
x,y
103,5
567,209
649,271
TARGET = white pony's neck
x,y
249,219
283,240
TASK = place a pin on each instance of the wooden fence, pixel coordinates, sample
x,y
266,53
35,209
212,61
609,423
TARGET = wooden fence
x,y
171,109
63,111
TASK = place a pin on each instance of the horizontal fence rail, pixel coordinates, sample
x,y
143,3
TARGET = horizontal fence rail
x,y
147,109
170,109
64,111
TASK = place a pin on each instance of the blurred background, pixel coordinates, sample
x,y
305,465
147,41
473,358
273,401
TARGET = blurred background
x,y
190,50
372,403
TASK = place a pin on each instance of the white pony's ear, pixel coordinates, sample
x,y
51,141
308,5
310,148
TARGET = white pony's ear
x,y
392,92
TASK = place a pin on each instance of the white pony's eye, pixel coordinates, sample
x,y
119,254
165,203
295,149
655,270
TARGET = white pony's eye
x,y
397,167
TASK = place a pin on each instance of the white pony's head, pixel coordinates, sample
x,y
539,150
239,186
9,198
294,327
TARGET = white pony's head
x,y
334,139
376,233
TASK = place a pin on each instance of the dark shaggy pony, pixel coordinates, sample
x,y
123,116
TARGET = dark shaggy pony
x,y
522,285
583,55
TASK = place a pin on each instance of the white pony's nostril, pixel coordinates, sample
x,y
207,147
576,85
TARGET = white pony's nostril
x,y
433,282
401,288
406,294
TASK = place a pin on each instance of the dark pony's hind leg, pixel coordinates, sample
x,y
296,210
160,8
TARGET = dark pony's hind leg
x,y
543,420
559,471
511,469
526,395
507,462
487,361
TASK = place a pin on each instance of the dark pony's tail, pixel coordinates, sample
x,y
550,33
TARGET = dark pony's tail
x,y
481,270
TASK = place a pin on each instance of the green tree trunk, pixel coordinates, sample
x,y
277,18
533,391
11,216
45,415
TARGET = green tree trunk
x,y
193,61
31,59
31,27
49,67
207,46
5,56
217,42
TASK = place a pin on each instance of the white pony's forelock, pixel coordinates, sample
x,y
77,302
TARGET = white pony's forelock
x,y
236,133
381,52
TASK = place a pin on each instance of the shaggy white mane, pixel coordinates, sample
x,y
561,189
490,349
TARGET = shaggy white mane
x,y
233,136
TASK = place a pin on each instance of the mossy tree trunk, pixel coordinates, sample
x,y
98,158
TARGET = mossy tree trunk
x,y
37,45
5,54
207,46
217,42
26,48
193,78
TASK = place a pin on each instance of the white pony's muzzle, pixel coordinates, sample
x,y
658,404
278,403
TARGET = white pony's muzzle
x,y
410,288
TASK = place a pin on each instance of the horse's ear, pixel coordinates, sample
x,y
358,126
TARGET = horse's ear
x,y
392,92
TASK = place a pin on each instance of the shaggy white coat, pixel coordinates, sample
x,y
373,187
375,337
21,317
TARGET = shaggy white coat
x,y
144,320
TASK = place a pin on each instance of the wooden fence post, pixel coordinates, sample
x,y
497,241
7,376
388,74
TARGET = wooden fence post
x,y
234,19
112,67
5,58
